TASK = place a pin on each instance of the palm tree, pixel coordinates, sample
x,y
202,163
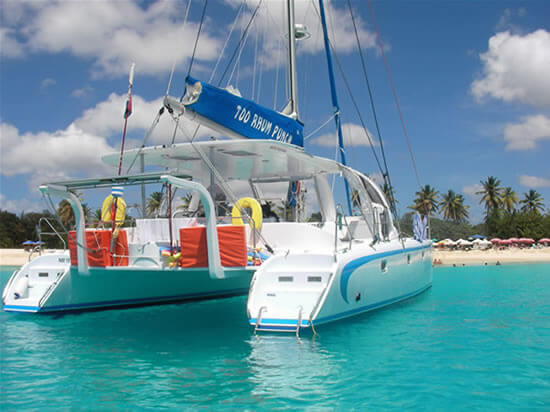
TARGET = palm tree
x,y
509,199
388,192
532,202
65,212
453,207
491,194
426,201
153,203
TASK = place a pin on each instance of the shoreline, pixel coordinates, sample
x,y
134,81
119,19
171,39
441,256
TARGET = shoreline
x,y
490,257
18,257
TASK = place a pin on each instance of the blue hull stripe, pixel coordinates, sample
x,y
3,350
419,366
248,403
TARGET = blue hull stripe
x,y
275,323
354,264
132,302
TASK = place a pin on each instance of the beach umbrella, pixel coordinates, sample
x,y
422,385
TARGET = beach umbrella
x,y
544,240
477,241
28,242
477,237
526,240
496,240
514,240
506,242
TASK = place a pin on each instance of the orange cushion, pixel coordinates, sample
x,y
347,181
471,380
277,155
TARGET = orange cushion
x,y
100,243
232,241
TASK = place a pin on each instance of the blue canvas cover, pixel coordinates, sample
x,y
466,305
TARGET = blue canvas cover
x,y
243,116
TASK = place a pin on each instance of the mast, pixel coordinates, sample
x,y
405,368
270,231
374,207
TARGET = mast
x,y
292,108
335,105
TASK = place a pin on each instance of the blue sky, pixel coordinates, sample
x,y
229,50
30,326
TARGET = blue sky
x,y
471,77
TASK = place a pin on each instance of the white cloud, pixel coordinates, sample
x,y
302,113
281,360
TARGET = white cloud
x,y
113,34
471,190
505,20
533,181
515,68
526,134
9,46
106,119
47,83
20,205
83,92
271,25
354,135
46,156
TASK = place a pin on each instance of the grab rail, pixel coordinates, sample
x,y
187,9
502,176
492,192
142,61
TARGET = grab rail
x,y
341,214
54,233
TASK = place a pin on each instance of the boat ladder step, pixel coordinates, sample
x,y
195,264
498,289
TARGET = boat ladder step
x,y
299,323
259,318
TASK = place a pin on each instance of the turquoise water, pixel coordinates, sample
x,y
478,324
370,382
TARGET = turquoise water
x,y
480,338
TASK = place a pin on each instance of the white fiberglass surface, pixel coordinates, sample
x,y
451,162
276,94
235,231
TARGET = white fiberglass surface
x,y
234,159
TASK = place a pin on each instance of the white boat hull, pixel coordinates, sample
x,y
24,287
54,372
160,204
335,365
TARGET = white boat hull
x,y
358,281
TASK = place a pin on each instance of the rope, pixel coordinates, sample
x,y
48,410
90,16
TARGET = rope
x,y
380,45
196,42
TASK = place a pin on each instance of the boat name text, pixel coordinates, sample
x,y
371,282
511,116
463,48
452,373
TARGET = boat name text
x,y
261,124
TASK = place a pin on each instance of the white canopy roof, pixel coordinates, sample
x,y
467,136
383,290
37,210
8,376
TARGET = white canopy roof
x,y
258,160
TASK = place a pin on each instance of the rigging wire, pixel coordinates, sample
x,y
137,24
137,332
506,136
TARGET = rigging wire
x,y
226,42
147,135
380,45
385,174
356,106
222,182
213,71
244,34
175,59
320,127
255,65
196,42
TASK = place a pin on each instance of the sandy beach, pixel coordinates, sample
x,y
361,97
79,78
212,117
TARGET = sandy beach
x,y
13,257
18,257
490,257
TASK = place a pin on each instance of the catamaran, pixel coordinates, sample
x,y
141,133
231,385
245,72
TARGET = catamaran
x,y
298,274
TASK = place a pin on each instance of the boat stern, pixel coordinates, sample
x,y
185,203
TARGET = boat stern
x,y
285,293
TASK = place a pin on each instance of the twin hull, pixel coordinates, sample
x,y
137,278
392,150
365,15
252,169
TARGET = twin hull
x,y
287,290
292,292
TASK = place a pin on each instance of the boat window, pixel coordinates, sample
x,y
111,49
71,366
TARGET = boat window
x,y
314,278
286,278
43,274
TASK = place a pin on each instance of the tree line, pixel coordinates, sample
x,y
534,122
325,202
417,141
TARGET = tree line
x,y
506,215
